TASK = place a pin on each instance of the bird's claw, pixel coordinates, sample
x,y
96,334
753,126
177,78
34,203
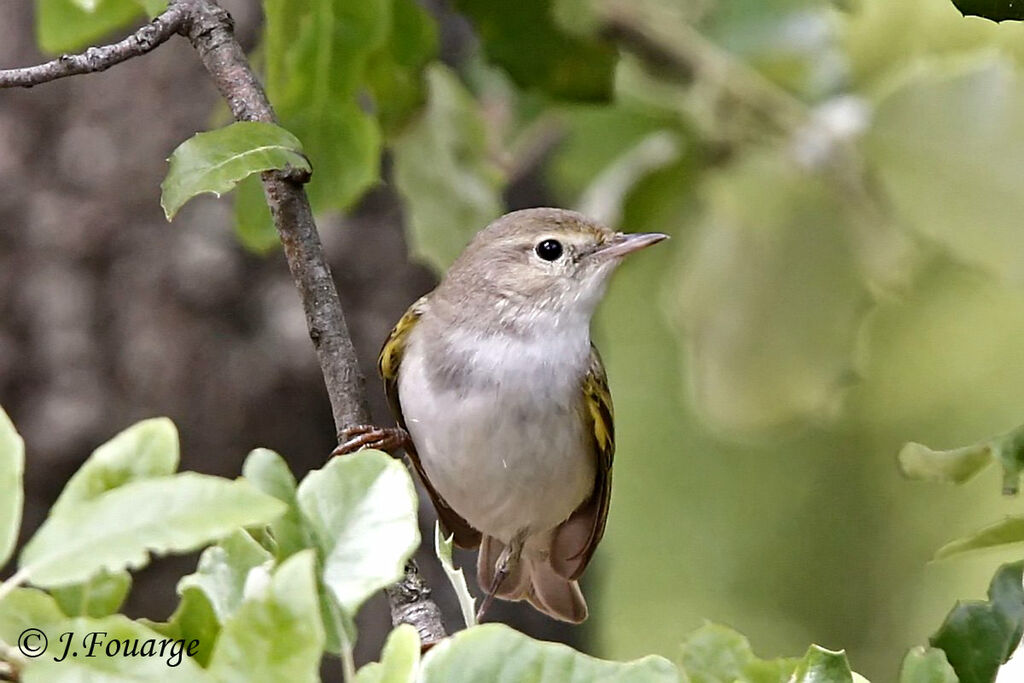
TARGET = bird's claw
x,y
387,439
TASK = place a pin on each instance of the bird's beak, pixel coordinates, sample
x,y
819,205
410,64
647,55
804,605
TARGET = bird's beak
x,y
627,243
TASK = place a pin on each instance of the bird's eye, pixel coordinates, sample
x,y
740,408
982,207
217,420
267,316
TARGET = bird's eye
x,y
549,250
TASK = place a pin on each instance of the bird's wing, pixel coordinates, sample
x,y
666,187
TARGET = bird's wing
x,y
389,364
576,539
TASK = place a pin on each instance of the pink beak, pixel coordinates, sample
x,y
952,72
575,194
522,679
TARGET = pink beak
x,y
627,243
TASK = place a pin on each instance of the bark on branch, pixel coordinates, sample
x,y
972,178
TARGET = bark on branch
x,y
210,30
96,59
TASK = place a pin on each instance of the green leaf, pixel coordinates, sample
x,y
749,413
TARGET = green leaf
x,y
25,608
523,39
12,490
395,73
193,619
960,464
957,466
277,635
254,226
996,10
399,660
63,26
216,160
978,637
443,550
495,652
718,654
715,654
100,596
362,512
117,529
946,121
317,53
448,186
109,665
1007,532
145,450
268,472
926,665
223,570
823,666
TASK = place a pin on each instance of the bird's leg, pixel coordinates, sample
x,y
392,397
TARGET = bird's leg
x,y
387,439
507,562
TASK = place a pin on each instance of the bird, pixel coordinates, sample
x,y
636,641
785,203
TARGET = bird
x,y
503,406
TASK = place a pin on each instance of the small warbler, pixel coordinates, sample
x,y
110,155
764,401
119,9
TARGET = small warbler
x,y
503,402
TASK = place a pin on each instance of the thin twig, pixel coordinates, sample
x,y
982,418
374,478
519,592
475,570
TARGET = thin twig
x,y
96,59
210,29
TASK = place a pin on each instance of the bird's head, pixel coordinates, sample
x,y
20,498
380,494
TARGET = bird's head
x,y
541,262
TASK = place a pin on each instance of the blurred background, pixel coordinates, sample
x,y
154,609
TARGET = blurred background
x,y
841,180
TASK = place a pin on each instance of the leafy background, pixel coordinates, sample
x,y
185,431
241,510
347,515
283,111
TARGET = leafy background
x,y
845,274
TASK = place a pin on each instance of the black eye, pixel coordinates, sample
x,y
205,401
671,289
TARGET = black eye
x,y
549,250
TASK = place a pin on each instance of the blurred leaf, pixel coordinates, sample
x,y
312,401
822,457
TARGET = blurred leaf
x,y
523,39
595,136
996,10
957,466
792,42
718,654
1009,531
193,619
104,668
772,297
492,652
12,491
215,161
443,550
317,53
362,511
63,26
145,450
605,198
223,570
268,472
345,145
926,665
25,608
276,636
399,660
254,226
448,186
715,654
100,596
153,7
823,666
946,122
118,528
395,74
978,637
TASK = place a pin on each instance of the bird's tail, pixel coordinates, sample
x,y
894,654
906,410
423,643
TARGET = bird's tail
x,y
534,579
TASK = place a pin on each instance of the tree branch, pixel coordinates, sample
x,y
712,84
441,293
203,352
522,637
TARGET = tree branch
x,y
96,59
210,29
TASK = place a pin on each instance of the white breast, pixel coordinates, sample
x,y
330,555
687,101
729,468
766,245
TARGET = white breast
x,y
506,448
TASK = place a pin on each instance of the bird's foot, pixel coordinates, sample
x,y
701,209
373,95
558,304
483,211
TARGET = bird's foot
x,y
500,574
387,439
507,562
